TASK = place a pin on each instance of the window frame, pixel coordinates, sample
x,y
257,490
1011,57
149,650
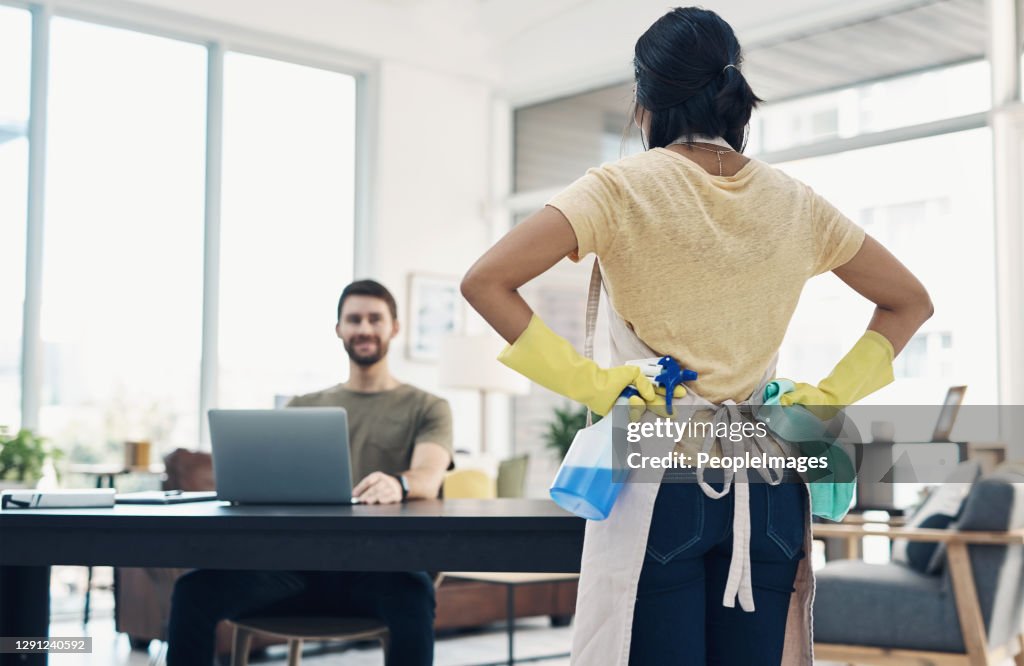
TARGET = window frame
x,y
218,38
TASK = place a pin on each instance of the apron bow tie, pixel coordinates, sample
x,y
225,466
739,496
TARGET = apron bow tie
x,y
738,585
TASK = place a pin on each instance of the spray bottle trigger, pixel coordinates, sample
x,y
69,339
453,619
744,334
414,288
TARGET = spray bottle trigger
x,y
671,376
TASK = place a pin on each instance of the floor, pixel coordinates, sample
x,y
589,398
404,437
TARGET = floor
x,y
533,637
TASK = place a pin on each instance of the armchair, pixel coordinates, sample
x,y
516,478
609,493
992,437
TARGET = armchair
x,y
968,613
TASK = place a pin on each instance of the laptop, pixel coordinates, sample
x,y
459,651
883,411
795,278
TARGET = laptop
x,y
947,417
281,456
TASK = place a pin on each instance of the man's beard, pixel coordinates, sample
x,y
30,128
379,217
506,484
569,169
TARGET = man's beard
x,y
366,359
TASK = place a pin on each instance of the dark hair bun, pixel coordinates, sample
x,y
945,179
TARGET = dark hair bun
x,y
684,80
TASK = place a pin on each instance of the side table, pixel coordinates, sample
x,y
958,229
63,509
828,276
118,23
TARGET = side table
x,y
511,581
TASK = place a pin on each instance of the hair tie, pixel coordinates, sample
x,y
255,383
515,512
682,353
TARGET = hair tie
x,y
730,65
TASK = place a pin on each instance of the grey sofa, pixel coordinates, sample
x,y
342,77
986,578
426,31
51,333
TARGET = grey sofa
x,y
969,612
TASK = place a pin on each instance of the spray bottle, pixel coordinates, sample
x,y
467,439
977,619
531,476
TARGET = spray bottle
x,y
590,478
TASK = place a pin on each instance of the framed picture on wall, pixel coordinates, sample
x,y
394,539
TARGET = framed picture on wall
x,y
435,310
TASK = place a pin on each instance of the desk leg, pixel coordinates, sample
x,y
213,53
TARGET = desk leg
x,y
510,600
88,578
88,596
24,609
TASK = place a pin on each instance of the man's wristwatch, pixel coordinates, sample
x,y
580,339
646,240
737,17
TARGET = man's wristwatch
x,y
402,481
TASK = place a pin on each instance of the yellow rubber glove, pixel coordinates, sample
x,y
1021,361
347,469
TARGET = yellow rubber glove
x,y
548,359
865,369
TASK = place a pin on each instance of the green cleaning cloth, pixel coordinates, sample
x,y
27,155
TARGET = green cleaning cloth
x,y
829,498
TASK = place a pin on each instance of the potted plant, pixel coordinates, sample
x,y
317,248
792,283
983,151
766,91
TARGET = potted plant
x,y
568,420
22,457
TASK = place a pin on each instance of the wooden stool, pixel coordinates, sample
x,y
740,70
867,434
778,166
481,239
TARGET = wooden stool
x,y
296,629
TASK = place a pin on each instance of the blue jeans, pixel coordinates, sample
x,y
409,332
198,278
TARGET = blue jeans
x,y
679,619
202,598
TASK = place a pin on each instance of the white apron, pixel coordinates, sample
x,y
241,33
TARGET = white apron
x,y
614,549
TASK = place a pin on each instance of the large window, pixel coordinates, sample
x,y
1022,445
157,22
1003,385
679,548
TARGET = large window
x,y
557,141
15,70
122,287
901,101
930,202
287,227
132,190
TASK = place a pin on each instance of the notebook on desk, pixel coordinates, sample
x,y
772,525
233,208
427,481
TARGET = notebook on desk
x,y
165,497
91,498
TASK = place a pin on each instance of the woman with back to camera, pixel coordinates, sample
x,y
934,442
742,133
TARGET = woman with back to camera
x,y
704,253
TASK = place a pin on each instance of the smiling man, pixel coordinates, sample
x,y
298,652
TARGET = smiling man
x,y
401,445
401,436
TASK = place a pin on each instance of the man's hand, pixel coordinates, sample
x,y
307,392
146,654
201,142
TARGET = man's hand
x,y
378,488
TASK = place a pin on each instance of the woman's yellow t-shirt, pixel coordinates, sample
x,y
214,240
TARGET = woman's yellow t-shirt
x,y
706,269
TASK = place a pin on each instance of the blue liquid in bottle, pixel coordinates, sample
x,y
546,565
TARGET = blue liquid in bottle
x,y
588,492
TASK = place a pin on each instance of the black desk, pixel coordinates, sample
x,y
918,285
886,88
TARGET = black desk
x,y
432,535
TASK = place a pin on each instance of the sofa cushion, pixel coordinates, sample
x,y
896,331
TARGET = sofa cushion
x,y
884,605
927,556
939,509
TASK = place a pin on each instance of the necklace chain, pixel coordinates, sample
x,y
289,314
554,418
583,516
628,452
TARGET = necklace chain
x,y
718,153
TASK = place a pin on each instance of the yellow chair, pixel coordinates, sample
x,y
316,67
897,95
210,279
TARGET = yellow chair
x,y
512,476
469,484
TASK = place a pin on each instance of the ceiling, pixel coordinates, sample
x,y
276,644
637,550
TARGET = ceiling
x,y
536,49
927,34
791,47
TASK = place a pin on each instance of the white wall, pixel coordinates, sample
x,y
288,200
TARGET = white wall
x,y
431,215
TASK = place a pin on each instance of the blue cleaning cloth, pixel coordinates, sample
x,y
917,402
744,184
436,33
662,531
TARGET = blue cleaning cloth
x,y
829,498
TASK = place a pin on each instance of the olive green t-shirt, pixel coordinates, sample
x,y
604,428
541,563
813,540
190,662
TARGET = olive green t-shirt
x,y
707,269
384,427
